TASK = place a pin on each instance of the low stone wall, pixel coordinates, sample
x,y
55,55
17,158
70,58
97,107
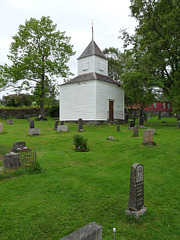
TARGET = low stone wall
x,y
21,113
92,231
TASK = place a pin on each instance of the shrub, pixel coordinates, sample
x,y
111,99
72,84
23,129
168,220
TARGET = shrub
x,y
54,111
17,100
80,143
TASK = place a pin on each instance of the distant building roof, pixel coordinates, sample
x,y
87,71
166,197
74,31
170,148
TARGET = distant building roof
x,y
91,76
92,49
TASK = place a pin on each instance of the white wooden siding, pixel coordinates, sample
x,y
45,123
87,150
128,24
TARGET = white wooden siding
x,y
105,92
93,64
77,100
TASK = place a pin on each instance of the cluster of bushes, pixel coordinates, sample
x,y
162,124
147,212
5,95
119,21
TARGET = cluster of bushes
x,y
17,100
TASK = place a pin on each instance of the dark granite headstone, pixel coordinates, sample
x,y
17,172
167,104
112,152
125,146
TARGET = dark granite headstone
x,y
136,192
56,124
131,124
17,145
31,124
80,124
159,115
118,128
141,121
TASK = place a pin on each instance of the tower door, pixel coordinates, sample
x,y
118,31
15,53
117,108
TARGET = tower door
x,y
111,110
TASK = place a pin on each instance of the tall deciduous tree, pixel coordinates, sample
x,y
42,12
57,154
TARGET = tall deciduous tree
x,y
39,54
115,63
156,42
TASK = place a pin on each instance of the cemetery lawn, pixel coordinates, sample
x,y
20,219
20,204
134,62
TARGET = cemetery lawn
x,y
76,188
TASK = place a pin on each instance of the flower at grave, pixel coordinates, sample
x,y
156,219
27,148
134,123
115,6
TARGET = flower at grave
x,y
82,149
19,149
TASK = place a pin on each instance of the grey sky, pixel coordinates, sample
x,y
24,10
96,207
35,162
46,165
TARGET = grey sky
x,y
72,16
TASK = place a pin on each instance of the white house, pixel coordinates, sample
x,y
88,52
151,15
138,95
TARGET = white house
x,y
92,95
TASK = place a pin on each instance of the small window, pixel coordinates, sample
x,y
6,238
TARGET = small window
x,y
85,66
168,106
154,105
101,66
164,105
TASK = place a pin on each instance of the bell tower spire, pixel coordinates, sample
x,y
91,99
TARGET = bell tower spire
x,y
92,32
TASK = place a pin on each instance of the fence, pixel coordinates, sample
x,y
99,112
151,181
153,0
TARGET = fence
x,y
26,159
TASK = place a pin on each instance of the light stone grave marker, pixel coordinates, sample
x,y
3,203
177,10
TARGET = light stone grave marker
x,y
34,131
135,131
11,160
1,127
148,136
136,206
62,128
10,122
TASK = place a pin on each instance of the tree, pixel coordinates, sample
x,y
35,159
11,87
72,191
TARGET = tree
x,y
39,53
156,45
115,63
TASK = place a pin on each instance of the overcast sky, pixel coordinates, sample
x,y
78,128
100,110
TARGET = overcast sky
x,y
72,16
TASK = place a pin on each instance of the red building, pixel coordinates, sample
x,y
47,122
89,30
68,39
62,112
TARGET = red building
x,y
160,106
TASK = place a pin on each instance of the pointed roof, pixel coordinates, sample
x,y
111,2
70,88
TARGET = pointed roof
x,y
92,49
91,76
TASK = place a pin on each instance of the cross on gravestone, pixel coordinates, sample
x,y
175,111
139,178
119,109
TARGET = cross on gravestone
x,y
148,136
135,131
136,206
1,127
131,124
31,124
17,145
118,128
80,124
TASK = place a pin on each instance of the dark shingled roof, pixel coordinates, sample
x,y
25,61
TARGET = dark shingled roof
x,y
92,49
91,76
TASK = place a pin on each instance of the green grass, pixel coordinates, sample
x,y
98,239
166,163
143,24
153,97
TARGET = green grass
x,y
76,188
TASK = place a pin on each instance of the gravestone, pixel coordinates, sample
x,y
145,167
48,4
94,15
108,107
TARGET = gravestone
x,y
11,160
31,124
55,125
141,121
80,124
34,131
17,145
135,131
178,124
1,127
131,124
148,137
91,231
10,122
118,128
61,128
136,206
159,115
